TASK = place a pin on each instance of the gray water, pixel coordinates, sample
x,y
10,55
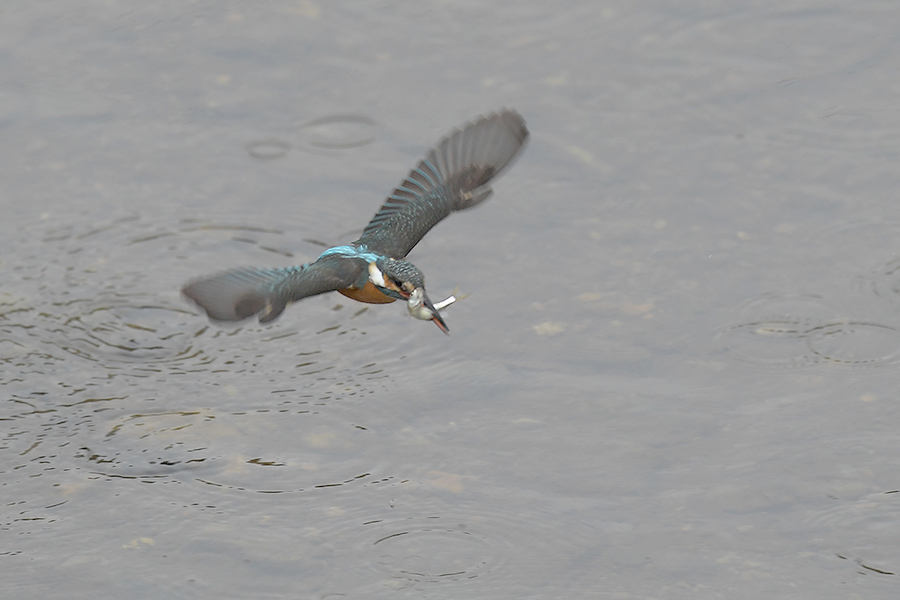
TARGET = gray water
x,y
675,376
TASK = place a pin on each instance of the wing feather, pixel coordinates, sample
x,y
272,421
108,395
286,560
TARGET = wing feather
x,y
241,293
454,175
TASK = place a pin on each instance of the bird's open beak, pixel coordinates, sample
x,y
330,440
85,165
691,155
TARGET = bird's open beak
x,y
421,308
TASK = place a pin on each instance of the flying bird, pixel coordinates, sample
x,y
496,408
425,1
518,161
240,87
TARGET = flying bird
x,y
454,175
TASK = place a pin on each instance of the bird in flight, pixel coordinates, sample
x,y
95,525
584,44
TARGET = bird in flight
x,y
454,175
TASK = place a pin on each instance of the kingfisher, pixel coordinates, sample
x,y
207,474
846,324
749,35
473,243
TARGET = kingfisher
x,y
454,175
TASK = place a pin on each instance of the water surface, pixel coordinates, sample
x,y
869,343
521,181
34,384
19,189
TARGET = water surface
x,y
675,375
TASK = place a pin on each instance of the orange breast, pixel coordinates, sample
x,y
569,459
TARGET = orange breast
x,y
369,294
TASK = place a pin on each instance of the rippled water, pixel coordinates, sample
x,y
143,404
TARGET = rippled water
x,y
674,375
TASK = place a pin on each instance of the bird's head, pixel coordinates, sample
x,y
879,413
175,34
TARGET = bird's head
x,y
403,280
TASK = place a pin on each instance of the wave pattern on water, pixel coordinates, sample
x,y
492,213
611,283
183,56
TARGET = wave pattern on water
x,y
92,337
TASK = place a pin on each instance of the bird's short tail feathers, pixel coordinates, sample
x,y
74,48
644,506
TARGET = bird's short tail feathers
x,y
470,157
241,293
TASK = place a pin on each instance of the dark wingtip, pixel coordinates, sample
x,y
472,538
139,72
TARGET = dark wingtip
x,y
479,152
205,294
515,122
234,295
270,312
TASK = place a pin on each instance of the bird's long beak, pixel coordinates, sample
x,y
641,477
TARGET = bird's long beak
x,y
436,317
421,307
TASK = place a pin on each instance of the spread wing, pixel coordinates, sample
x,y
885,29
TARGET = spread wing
x,y
453,176
241,293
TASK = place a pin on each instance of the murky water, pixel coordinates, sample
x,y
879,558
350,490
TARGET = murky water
x,y
675,376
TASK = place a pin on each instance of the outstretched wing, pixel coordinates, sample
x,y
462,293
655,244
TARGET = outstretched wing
x,y
241,293
453,176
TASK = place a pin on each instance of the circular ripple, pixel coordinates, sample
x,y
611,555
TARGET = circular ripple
x,y
432,549
884,281
855,343
89,294
266,451
268,149
776,343
116,332
862,235
829,132
802,330
848,252
128,333
430,538
338,132
773,330
864,531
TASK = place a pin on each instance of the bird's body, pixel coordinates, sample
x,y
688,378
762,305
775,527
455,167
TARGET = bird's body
x,y
369,294
453,176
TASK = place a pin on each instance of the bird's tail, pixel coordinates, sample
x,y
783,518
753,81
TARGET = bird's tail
x,y
241,293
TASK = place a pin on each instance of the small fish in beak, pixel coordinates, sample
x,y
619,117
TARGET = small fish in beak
x,y
420,307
